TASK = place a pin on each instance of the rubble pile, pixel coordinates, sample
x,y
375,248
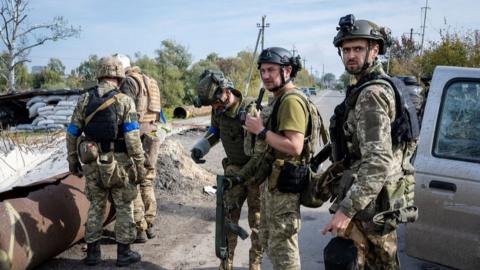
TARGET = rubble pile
x,y
51,112
177,174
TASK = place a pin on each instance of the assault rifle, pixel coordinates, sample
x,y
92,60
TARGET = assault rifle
x,y
221,227
323,155
242,114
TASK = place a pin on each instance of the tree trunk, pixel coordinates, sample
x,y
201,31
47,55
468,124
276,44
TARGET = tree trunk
x,y
11,75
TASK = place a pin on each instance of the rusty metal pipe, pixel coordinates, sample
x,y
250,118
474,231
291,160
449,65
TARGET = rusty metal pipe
x,y
191,111
41,221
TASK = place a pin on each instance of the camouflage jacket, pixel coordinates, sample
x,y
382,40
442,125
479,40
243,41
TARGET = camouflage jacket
x,y
127,116
374,157
226,127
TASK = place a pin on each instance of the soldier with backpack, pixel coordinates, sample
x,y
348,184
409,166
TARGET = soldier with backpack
x,y
112,158
146,94
373,134
290,135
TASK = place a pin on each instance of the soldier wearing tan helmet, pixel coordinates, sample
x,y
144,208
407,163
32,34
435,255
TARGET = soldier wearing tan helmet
x,y
105,127
146,94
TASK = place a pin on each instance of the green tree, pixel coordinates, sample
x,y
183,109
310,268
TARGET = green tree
x,y
86,71
56,66
452,50
172,60
19,37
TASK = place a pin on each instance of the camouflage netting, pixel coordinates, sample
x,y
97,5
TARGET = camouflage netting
x,y
177,174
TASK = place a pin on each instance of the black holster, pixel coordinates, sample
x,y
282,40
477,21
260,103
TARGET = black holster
x,y
293,178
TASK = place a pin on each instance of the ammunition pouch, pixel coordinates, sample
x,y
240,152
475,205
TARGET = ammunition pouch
x,y
151,146
111,174
317,191
87,151
396,204
293,178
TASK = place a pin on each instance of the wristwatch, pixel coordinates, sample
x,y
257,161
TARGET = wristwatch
x,y
263,134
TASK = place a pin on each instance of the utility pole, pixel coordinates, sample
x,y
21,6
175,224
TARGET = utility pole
x,y
294,50
304,60
424,9
323,75
262,27
261,32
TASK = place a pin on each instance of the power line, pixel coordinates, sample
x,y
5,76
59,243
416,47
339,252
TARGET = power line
x,y
424,9
262,27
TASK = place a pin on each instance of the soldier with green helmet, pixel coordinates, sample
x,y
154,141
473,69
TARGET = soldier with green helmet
x,y
376,166
226,126
283,130
113,162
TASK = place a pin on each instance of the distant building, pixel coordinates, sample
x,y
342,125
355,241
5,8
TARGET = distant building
x,y
38,69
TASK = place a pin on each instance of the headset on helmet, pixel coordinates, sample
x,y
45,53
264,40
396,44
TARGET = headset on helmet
x,y
349,28
110,67
209,88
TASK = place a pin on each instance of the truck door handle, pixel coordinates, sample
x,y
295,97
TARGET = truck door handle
x,y
442,185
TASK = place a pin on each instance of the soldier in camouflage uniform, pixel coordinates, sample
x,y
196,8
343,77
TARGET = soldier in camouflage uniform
x,y
144,91
227,103
283,136
112,159
372,162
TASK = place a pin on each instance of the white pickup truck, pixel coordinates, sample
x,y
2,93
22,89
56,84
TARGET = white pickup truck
x,y
447,190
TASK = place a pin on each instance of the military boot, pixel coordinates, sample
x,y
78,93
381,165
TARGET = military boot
x,y
151,232
94,253
126,256
229,265
141,237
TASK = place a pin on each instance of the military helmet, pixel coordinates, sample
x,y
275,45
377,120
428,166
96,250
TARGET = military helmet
x,y
123,59
282,57
210,86
110,67
349,28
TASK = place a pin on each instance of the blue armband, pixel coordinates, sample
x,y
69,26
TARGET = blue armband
x,y
213,130
130,126
73,130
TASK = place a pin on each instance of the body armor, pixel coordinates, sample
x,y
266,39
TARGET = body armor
x,y
148,101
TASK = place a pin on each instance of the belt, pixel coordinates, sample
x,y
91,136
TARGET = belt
x,y
118,146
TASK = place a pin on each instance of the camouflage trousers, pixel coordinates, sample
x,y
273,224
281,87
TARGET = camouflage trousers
x,y
374,250
145,205
279,227
122,196
234,200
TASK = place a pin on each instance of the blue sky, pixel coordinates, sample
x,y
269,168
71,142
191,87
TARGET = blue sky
x,y
227,27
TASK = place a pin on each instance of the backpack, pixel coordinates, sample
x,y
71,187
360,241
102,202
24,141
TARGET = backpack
x,y
405,127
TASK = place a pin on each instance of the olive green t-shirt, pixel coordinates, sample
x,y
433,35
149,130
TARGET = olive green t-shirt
x,y
292,114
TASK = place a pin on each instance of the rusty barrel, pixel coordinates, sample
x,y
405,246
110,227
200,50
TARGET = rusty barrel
x,y
41,221
191,111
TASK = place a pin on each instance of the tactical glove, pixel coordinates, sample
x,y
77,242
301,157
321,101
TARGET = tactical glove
x,y
197,156
75,168
141,174
199,150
